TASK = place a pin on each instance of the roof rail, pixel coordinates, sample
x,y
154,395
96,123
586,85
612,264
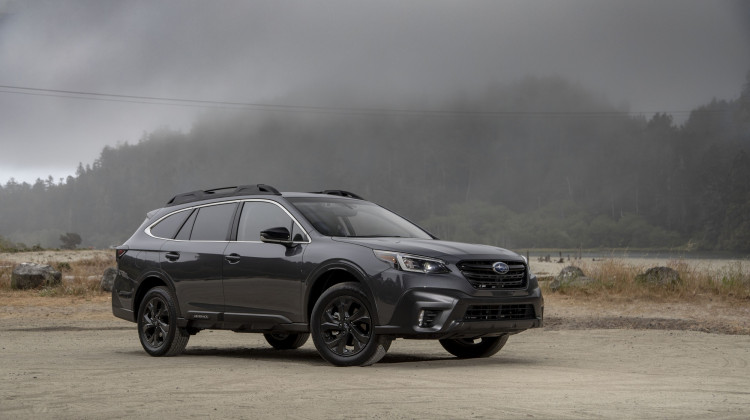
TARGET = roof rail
x,y
188,197
340,193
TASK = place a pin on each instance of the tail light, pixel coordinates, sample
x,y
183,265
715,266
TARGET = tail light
x,y
119,252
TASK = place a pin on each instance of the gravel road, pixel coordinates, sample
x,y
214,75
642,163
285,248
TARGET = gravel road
x,y
79,368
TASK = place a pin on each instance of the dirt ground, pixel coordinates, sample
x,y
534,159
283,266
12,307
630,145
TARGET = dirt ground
x,y
68,357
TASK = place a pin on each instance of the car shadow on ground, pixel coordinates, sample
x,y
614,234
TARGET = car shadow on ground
x,y
311,357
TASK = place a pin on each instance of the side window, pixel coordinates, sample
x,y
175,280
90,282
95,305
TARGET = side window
x,y
297,234
167,228
212,223
258,216
187,228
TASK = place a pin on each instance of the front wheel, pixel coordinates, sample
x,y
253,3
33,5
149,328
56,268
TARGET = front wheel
x,y
469,348
343,329
286,341
157,324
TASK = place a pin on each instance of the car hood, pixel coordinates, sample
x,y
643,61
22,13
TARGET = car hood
x,y
451,252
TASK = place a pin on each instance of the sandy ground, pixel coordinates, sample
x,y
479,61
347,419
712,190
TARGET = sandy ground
x,y
70,358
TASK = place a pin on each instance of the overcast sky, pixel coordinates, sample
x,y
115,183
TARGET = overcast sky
x,y
667,55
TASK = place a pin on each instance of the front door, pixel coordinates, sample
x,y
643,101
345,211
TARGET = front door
x,y
263,281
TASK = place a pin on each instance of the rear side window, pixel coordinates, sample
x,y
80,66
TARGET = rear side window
x,y
167,228
212,223
187,228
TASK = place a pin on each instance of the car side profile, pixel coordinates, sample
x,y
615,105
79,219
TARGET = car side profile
x,y
330,264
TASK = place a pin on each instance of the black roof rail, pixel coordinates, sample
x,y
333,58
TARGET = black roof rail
x,y
188,197
340,193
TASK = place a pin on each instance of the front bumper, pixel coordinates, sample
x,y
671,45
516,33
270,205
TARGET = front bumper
x,y
450,313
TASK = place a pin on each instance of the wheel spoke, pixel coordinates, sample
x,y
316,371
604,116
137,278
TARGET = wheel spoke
x,y
147,320
343,306
330,317
329,326
362,317
359,336
333,343
341,344
151,338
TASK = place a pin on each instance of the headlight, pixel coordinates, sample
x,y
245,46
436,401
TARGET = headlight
x,y
413,263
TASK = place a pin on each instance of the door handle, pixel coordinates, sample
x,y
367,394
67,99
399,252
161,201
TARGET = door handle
x,y
232,258
172,256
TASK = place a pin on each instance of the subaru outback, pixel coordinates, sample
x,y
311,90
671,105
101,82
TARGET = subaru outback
x,y
330,264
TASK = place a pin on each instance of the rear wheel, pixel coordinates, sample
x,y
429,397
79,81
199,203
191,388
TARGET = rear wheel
x,y
343,329
157,324
469,348
286,341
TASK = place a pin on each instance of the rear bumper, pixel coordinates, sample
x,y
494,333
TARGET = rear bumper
x,y
447,313
122,313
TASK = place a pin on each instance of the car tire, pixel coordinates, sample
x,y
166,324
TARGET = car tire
x,y
343,328
286,341
469,348
157,324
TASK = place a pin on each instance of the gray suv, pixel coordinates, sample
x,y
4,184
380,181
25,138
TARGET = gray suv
x,y
329,264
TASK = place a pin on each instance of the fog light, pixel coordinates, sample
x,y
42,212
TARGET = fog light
x,y
427,318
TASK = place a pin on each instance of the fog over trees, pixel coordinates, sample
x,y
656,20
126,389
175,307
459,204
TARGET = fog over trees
x,y
538,163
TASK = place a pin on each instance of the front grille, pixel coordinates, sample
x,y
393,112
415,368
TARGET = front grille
x,y
481,275
499,312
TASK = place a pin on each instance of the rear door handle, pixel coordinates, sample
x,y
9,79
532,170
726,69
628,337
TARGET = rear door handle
x,y
232,258
172,256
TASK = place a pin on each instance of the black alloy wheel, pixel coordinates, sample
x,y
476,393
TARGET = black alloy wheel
x,y
469,348
343,328
286,341
157,324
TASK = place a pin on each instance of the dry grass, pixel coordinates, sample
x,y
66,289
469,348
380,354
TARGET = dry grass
x,y
616,279
81,276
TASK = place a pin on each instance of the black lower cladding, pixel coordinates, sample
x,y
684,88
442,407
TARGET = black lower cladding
x,y
499,312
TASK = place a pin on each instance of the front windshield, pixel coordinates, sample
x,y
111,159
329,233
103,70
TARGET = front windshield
x,y
359,219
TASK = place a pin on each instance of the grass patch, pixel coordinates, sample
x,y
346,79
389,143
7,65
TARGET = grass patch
x,y
615,278
81,277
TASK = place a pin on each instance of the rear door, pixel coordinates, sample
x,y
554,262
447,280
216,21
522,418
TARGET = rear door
x,y
193,259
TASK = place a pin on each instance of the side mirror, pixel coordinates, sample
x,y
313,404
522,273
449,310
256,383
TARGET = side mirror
x,y
277,235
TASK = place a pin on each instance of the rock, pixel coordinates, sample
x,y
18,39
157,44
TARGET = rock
x,y
570,276
31,276
660,276
108,279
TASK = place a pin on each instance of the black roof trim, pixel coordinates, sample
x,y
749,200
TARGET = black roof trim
x,y
340,193
189,197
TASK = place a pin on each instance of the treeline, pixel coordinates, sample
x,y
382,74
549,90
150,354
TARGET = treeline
x,y
552,165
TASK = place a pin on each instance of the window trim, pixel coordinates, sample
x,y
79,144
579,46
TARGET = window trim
x,y
234,224
294,219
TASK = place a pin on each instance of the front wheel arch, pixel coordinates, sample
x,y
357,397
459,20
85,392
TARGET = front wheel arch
x,y
331,275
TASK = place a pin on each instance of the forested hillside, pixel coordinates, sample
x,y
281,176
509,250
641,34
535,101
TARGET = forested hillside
x,y
548,165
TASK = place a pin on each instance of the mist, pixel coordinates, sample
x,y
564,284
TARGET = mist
x,y
643,57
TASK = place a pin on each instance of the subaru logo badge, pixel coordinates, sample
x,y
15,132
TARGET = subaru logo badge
x,y
500,268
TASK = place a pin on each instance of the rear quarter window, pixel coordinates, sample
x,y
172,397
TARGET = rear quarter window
x,y
167,228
